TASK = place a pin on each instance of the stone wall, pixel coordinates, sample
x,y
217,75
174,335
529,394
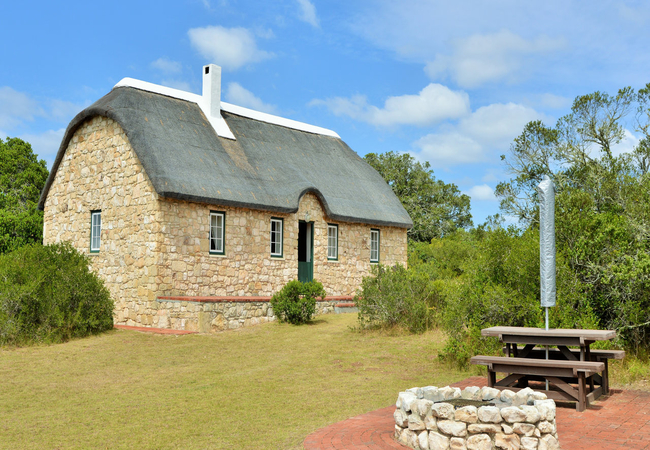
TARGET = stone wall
x,y
427,419
153,247
100,171
247,268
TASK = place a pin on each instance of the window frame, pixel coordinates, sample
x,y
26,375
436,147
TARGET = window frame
x,y
333,226
95,213
279,220
221,214
375,231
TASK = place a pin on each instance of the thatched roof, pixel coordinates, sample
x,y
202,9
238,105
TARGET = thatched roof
x,y
267,167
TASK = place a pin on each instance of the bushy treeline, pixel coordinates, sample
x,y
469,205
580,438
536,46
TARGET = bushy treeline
x,y
48,295
490,275
470,280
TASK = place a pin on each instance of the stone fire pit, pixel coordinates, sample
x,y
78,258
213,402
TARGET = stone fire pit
x,y
474,418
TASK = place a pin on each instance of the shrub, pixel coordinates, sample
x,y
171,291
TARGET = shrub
x,y
48,294
296,301
395,296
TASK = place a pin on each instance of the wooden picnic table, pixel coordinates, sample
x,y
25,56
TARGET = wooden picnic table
x,y
564,366
559,337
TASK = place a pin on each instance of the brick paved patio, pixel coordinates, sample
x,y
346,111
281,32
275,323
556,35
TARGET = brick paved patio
x,y
619,421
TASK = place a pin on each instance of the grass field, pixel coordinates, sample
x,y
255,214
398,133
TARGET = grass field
x,y
265,387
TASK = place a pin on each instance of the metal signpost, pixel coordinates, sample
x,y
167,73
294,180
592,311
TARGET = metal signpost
x,y
546,192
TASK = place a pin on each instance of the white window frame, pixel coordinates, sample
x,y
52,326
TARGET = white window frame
x,y
277,237
95,231
217,233
375,240
332,242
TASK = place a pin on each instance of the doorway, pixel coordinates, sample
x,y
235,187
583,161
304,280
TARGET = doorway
x,y
305,251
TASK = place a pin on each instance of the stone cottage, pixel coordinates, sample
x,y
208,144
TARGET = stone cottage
x,y
195,211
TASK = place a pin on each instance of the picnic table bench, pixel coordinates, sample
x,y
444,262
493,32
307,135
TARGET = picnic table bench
x,y
595,355
565,366
555,371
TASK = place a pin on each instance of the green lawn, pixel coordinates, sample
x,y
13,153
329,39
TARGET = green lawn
x,y
265,387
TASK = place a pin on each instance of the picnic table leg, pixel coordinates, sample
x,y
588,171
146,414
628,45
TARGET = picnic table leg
x,y
492,377
605,378
582,394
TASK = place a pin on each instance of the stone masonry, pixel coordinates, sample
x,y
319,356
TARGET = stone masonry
x,y
426,419
153,247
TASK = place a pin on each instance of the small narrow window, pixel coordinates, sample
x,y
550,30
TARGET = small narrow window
x,y
95,231
217,232
374,245
276,237
332,242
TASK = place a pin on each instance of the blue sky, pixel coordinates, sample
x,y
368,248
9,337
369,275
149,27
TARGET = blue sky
x,y
452,83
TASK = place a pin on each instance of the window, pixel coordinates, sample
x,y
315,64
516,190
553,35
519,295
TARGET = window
x,y
276,237
217,232
332,242
374,245
95,230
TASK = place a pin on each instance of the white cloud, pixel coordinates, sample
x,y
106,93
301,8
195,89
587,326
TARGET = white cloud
x,y
231,48
555,101
167,66
46,144
481,192
64,111
432,104
238,95
308,12
479,59
16,107
498,124
476,136
449,149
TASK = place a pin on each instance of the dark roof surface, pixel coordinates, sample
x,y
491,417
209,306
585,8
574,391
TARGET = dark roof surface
x,y
268,167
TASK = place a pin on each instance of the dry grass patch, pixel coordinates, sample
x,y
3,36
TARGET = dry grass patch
x,y
265,387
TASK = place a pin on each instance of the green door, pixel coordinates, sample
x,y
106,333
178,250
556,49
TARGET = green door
x,y
305,251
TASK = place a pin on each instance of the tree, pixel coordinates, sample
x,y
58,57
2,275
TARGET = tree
x,y
602,204
22,178
435,207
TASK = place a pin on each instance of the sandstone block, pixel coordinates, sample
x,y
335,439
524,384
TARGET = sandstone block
x,y
529,443
471,393
401,418
507,441
548,442
546,427
488,393
546,409
432,393
532,413
458,429
456,443
479,442
489,414
404,400
507,396
476,428
467,414
524,429
438,441
512,414
415,423
442,410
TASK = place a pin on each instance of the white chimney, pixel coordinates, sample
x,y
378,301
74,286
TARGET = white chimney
x,y
212,89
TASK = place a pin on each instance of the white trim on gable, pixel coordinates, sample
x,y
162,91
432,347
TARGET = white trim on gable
x,y
218,123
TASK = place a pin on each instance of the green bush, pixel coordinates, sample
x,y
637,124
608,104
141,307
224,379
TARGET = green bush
x,y
395,296
48,294
296,301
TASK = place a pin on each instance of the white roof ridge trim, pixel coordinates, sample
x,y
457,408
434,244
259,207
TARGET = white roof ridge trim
x,y
218,123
